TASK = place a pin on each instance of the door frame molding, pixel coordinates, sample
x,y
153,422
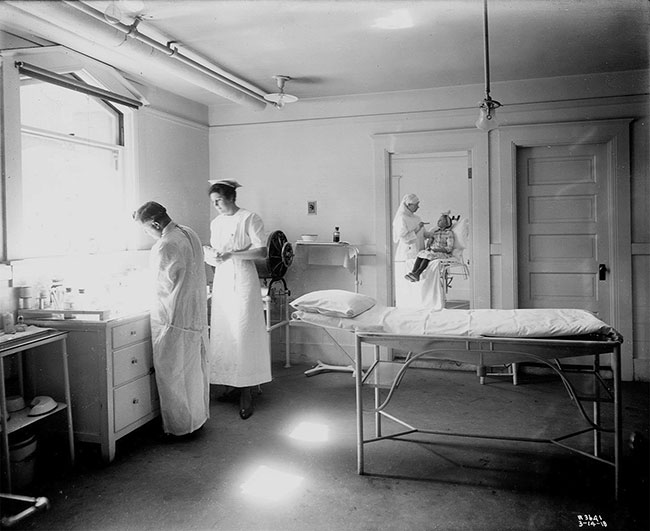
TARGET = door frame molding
x,y
616,135
473,141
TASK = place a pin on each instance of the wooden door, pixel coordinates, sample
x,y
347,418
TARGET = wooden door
x,y
562,231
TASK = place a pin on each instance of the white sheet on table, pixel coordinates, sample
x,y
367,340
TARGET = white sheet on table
x,y
486,322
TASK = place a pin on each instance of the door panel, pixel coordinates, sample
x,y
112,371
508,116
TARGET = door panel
x,y
563,227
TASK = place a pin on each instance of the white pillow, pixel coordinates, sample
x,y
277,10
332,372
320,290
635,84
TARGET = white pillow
x,y
461,238
334,302
461,233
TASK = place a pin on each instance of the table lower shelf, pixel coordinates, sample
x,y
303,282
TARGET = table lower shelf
x,y
21,419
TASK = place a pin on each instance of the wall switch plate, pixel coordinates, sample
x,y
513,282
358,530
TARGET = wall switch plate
x,y
312,207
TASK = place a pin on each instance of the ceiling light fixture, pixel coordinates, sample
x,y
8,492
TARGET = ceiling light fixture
x,y
280,98
118,10
487,107
113,14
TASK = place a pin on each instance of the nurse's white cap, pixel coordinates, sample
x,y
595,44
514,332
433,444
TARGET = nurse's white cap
x,y
410,199
227,182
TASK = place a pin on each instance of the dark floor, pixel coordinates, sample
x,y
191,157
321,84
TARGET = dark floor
x,y
450,484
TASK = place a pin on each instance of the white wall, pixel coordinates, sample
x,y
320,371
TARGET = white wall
x,y
172,155
323,151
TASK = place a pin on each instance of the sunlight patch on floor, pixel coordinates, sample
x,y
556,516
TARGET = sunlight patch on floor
x,y
310,432
270,484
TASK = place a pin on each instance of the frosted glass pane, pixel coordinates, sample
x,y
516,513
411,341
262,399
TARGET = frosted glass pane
x,y
73,198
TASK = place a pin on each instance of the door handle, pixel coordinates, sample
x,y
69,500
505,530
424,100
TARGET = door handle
x,y
602,272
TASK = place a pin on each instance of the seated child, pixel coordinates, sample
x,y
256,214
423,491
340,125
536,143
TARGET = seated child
x,y
440,245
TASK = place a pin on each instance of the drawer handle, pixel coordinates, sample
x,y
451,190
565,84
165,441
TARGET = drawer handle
x,y
136,401
134,361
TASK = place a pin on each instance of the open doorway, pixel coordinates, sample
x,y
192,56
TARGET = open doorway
x,y
440,181
408,159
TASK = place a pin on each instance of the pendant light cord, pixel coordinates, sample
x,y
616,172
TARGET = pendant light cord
x,y
486,50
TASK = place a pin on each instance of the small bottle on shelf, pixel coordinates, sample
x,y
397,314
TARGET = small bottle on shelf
x,y
336,236
68,299
43,299
82,299
20,324
8,323
57,294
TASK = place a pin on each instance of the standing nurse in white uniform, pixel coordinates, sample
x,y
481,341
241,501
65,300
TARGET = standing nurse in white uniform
x,y
239,348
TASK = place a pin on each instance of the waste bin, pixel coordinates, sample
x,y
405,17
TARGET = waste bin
x,y
22,457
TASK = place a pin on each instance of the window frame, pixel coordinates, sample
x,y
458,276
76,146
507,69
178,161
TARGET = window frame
x,y
60,61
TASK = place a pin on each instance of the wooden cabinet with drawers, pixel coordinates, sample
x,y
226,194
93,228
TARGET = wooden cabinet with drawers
x,y
112,380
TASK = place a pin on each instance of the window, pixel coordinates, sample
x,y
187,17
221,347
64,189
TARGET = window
x,y
75,190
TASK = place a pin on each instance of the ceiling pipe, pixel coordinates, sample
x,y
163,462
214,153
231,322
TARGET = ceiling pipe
x,y
133,32
51,20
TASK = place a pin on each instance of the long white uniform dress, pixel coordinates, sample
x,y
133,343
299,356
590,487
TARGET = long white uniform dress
x,y
179,329
427,293
239,345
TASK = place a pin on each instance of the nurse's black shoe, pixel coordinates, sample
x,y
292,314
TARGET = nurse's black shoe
x,y
246,403
246,412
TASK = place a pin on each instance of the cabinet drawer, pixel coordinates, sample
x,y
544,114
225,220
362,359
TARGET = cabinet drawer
x,y
133,401
132,332
132,362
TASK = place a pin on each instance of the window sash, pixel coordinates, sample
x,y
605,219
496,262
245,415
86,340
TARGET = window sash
x,y
73,84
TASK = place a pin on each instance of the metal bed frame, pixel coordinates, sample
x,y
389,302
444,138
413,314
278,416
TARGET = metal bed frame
x,y
320,366
482,351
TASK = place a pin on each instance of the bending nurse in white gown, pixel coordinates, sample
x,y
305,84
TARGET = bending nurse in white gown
x,y
179,324
409,234
239,348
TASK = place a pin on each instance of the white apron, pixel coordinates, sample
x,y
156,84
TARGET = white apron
x,y
239,344
426,293
179,330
